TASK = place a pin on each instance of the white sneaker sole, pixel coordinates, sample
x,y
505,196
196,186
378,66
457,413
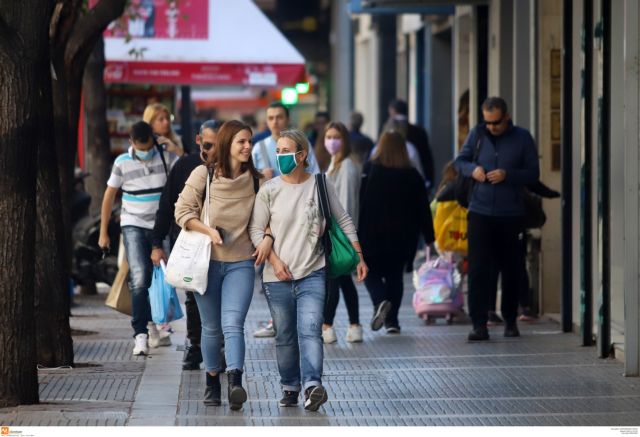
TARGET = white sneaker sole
x,y
317,397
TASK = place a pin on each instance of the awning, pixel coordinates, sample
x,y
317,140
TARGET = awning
x,y
200,42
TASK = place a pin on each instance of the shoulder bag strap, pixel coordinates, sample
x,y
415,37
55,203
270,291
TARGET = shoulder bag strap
x,y
256,185
164,162
323,198
476,152
206,201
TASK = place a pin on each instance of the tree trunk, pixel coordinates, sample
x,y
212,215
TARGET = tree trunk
x,y
70,51
53,333
25,73
95,100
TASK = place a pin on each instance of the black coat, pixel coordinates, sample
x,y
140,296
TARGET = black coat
x,y
419,138
394,209
165,221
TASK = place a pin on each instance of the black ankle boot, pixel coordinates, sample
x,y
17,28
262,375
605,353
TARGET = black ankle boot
x,y
212,393
237,394
192,358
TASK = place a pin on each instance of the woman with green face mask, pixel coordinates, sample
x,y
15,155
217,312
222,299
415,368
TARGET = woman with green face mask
x,y
294,276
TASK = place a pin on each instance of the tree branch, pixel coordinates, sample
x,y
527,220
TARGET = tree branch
x,y
89,28
63,22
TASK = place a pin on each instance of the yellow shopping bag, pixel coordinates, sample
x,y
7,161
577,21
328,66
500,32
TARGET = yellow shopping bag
x,y
450,226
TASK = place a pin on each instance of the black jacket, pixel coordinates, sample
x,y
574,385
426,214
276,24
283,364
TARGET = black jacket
x,y
165,222
418,137
394,209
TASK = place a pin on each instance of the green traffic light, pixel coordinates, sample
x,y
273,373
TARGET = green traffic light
x,y
302,88
289,96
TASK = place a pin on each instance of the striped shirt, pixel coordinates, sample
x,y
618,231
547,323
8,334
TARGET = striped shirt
x,y
141,183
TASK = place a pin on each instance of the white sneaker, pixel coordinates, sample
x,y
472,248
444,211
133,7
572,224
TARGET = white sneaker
x,y
266,331
329,335
158,338
354,334
141,347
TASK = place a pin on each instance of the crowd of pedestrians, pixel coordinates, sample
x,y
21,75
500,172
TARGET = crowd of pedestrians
x,y
265,221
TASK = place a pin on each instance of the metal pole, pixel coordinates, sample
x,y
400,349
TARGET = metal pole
x,y
185,118
604,109
631,201
341,68
567,167
386,64
586,241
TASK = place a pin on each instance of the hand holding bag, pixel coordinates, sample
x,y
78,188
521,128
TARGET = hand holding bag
x,y
188,264
165,305
342,258
450,226
119,297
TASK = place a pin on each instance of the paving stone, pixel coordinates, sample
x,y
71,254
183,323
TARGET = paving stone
x,y
427,376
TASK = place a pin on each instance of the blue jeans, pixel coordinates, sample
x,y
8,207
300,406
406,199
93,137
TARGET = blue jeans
x,y
137,244
297,310
223,309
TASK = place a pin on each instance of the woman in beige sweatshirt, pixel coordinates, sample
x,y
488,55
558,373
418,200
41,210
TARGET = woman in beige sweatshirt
x,y
294,277
223,307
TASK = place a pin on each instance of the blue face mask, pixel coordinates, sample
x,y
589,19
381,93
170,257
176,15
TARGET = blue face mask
x,y
144,155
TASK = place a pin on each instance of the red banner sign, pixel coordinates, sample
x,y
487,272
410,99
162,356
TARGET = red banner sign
x,y
162,19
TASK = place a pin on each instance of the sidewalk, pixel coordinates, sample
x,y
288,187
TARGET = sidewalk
x,y
426,376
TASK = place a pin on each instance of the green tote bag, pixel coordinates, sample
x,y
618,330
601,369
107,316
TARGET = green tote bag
x,y
342,258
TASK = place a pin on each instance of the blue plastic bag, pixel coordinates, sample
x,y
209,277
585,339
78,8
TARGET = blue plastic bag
x,y
165,305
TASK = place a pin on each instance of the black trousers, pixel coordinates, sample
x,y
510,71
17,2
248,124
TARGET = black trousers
x,y
524,293
495,247
386,284
194,326
333,297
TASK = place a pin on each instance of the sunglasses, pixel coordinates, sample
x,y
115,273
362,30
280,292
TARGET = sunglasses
x,y
207,146
494,123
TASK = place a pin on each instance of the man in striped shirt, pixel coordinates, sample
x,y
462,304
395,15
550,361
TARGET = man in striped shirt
x,y
141,174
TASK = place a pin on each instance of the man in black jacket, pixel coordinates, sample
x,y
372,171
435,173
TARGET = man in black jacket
x,y
165,225
503,160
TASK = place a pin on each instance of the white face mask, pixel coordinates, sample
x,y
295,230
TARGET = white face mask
x,y
143,155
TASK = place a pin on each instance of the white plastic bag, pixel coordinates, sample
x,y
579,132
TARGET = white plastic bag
x,y
188,264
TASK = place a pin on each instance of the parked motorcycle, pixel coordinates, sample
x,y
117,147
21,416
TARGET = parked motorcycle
x,y
90,263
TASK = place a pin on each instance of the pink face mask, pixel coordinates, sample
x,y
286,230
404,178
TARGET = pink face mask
x,y
333,145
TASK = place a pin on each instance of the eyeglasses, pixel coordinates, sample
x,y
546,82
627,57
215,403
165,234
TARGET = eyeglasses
x,y
494,123
207,146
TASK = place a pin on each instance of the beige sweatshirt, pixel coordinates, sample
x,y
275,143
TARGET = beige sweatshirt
x,y
230,209
293,213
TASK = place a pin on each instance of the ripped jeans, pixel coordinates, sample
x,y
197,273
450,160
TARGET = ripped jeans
x,y
297,310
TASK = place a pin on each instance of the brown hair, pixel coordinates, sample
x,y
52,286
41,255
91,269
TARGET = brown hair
x,y
220,159
449,174
345,149
392,151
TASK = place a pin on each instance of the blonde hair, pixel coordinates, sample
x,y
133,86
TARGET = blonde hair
x,y
298,137
152,111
